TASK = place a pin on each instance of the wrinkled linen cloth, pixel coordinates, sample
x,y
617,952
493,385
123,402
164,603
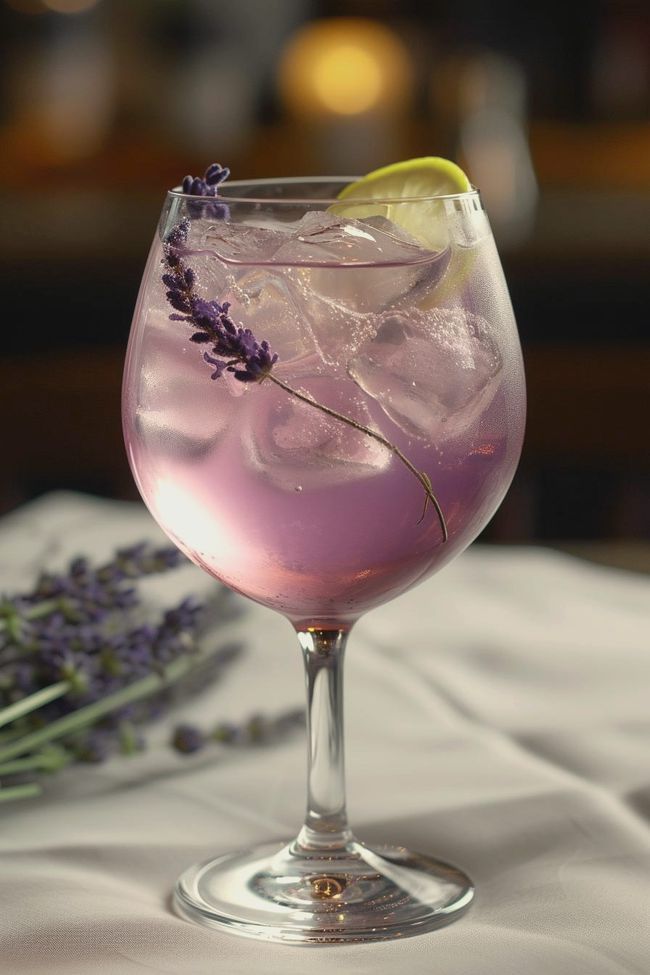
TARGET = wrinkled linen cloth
x,y
497,716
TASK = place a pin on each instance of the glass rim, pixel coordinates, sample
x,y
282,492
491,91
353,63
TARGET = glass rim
x,y
305,200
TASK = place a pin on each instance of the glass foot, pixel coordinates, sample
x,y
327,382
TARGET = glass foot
x,y
298,896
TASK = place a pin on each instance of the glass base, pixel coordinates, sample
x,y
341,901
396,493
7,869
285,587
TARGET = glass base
x,y
299,896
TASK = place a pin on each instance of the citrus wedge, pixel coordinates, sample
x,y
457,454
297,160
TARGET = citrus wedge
x,y
412,179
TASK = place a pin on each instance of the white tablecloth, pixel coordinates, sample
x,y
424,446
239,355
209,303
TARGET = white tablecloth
x,y
497,716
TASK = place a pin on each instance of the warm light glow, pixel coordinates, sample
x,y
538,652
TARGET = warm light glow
x,y
347,79
69,6
345,66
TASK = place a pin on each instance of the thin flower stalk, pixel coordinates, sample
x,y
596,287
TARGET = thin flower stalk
x,y
91,713
28,791
34,701
429,496
41,762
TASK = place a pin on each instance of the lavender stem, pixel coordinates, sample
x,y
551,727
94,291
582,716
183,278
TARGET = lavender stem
x,y
20,792
41,762
422,478
77,720
34,701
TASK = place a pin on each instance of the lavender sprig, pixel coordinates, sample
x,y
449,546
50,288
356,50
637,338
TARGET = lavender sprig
x,y
83,665
78,636
234,348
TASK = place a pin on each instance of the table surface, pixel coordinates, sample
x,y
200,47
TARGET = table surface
x,y
497,716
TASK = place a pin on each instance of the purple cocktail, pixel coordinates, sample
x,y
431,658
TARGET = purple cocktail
x,y
397,353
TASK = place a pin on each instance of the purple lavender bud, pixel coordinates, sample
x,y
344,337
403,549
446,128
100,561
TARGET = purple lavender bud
x,y
207,187
183,617
169,558
177,301
203,313
200,337
188,738
177,236
95,748
219,365
217,211
79,567
216,174
23,676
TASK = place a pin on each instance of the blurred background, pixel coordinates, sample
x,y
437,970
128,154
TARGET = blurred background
x,y
106,103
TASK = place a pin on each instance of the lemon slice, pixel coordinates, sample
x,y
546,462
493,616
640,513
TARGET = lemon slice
x,y
413,179
412,194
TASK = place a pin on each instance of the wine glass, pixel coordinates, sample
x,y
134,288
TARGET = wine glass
x,y
323,404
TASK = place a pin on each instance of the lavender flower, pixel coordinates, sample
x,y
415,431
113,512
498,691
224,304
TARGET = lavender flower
x,y
80,665
233,348
95,747
207,186
72,641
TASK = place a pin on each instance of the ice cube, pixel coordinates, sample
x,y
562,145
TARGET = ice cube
x,y
388,266
433,373
316,285
298,447
318,238
307,330
338,331
244,243
340,302
267,300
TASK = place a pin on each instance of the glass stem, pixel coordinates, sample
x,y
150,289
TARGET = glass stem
x,y
326,825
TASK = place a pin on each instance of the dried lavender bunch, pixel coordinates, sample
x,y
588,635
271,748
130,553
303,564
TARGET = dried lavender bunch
x,y
235,349
83,664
